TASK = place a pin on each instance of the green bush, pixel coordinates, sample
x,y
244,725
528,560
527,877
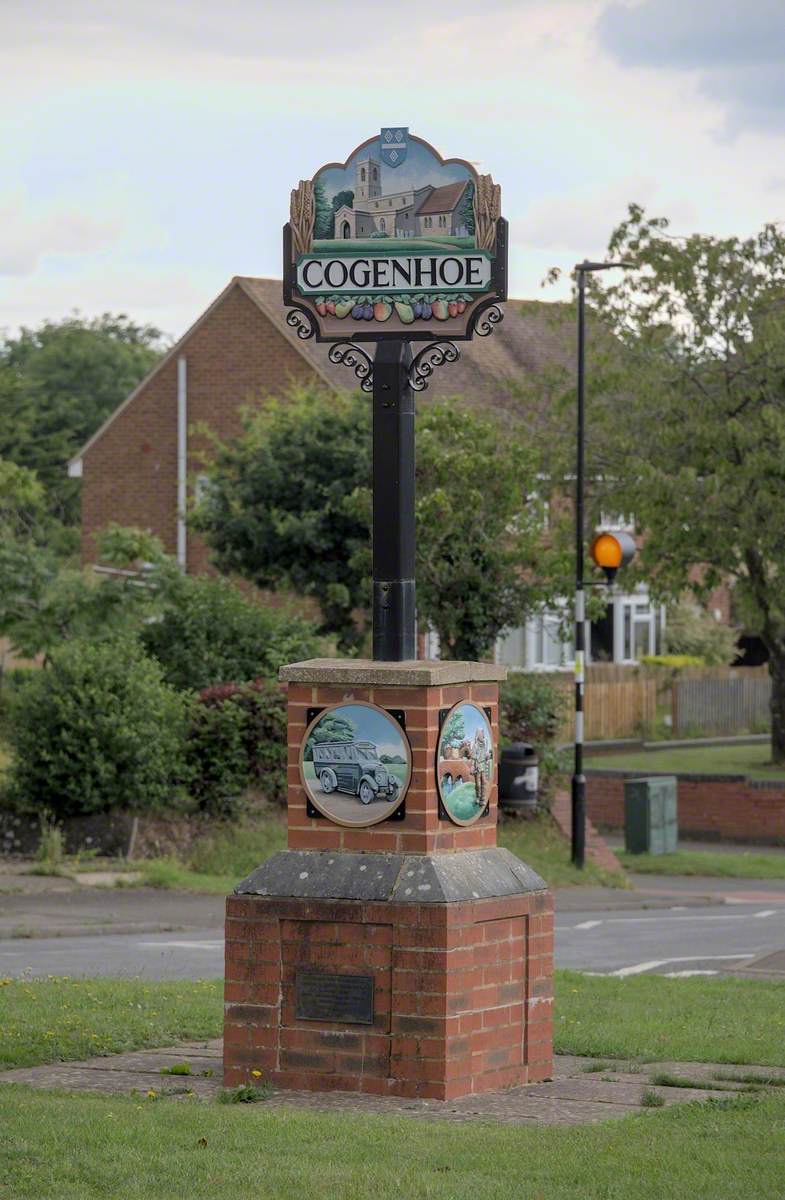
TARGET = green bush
x,y
98,730
216,758
532,708
691,630
210,633
675,662
237,739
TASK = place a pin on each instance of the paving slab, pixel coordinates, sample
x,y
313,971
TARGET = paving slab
x,y
574,1096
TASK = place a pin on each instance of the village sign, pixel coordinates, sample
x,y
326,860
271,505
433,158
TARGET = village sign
x,y
396,242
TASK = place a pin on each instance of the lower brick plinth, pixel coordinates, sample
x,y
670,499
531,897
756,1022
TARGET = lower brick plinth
x,y
462,994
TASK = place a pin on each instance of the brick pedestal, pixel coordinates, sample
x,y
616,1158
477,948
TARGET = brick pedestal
x,y
452,935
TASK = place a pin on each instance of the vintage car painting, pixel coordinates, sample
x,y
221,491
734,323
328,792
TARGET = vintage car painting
x,y
355,763
354,767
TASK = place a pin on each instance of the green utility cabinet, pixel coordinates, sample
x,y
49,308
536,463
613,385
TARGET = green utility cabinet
x,y
650,815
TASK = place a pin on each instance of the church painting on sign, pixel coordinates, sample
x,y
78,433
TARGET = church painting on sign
x,y
422,202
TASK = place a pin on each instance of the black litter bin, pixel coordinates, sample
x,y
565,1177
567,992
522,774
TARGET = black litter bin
x,y
519,781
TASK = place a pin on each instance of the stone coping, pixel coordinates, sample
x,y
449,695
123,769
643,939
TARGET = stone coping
x,y
412,673
458,877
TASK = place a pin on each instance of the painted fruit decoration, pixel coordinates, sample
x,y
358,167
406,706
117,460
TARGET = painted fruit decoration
x,y
408,307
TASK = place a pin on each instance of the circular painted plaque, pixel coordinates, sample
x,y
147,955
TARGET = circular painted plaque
x,y
465,762
355,763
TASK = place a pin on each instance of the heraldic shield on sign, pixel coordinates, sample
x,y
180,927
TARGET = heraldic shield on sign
x,y
395,242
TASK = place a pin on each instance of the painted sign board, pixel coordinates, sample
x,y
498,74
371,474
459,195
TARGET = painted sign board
x,y
395,242
465,762
355,764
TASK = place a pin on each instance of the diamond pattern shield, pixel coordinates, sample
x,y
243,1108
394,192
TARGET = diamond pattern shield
x,y
393,146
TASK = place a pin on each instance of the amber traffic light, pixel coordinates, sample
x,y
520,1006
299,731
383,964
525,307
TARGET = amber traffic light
x,y
611,551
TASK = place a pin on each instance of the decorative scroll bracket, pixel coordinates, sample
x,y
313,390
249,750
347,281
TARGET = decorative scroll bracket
x,y
355,357
423,364
487,320
301,321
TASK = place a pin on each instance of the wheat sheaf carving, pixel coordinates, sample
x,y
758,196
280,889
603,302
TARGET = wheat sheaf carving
x,y
301,216
487,210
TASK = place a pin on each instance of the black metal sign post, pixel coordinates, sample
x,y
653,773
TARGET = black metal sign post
x,y
399,267
394,609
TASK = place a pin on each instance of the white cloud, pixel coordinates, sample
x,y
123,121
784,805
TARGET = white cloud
x,y
176,133
26,239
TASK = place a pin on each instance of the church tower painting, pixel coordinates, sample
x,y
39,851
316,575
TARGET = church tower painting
x,y
368,176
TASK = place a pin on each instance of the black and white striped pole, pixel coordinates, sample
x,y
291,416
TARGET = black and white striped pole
x,y
578,777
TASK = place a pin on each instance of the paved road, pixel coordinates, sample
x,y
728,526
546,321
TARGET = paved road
x,y
694,939
679,941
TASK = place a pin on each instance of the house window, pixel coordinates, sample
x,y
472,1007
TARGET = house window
x,y
382,224
551,648
617,521
636,625
375,175
542,645
362,174
201,488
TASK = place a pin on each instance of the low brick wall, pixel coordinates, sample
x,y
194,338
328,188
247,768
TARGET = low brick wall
x,y
713,807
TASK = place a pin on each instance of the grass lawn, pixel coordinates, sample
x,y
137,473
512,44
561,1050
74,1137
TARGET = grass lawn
x,y
63,1019
753,760
392,245
648,1017
79,1146
58,1145
645,1017
543,847
220,861
741,864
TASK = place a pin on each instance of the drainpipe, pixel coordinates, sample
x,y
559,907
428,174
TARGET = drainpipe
x,y
182,458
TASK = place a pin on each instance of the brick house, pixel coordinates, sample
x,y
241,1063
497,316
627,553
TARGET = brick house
x,y
141,465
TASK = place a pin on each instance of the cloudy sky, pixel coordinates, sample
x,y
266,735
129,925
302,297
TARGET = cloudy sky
x,y
147,150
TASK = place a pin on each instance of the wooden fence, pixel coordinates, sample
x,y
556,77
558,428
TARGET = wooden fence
x,y
625,702
715,706
622,709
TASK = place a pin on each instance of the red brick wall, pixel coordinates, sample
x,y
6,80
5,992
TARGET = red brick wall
x,y
130,472
711,806
463,994
421,832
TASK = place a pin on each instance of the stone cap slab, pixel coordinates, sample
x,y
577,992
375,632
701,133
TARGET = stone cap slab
x,y
412,673
399,878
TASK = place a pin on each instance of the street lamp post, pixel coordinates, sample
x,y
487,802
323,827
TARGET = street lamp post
x,y
578,778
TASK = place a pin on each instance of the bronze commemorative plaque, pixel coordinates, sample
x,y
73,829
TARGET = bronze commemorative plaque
x,y
320,996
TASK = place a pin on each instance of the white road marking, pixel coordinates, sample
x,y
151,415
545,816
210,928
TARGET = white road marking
x,y
180,945
587,925
640,968
678,908
768,912
686,974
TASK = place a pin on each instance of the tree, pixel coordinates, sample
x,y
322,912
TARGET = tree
x,y
210,633
345,197
282,510
692,630
323,213
691,414
467,209
44,603
332,728
290,506
454,731
58,382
